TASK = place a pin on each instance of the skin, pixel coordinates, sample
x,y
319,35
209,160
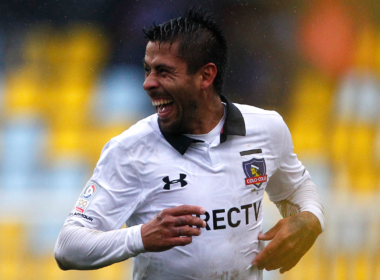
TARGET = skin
x,y
290,239
197,109
172,227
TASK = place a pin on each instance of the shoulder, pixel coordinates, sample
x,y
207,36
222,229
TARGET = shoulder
x,y
266,123
265,126
254,114
144,130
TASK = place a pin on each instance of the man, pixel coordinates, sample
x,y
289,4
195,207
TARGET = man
x,y
189,181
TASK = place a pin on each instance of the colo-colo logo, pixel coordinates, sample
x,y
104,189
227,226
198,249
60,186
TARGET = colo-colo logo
x,y
233,217
256,180
255,170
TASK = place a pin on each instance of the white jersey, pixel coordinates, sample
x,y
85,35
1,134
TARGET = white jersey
x,y
143,171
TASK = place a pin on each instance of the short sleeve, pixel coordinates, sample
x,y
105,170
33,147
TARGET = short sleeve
x,y
290,173
111,195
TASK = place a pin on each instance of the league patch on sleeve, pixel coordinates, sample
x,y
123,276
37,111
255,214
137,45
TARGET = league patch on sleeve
x,y
85,197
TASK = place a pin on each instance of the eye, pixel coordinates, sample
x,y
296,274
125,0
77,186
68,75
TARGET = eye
x,y
147,70
163,71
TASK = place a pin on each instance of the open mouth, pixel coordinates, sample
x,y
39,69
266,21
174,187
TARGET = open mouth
x,y
164,107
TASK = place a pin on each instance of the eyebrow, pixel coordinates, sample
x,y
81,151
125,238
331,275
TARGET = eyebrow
x,y
162,65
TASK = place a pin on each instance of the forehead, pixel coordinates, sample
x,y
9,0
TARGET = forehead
x,y
156,53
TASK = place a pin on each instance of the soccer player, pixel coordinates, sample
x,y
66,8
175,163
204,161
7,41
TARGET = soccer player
x,y
189,181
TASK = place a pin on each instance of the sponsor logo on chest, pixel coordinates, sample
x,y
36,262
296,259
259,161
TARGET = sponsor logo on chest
x,y
233,217
169,182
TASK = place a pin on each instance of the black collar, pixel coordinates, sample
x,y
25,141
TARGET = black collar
x,y
234,125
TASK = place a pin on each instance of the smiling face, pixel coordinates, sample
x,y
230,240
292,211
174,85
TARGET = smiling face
x,y
175,93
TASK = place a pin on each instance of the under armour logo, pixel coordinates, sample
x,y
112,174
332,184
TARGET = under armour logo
x,y
180,180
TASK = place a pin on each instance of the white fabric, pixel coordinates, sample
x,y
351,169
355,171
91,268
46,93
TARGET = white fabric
x,y
290,173
91,249
304,198
139,173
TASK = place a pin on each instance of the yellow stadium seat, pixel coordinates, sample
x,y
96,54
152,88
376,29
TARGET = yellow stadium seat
x,y
74,56
307,268
339,145
94,139
12,241
65,142
376,54
361,138
359,157
87,43
309,115
362,267
21,91
10,270
70,110
366,47
85,51
12,250
340,268
376,267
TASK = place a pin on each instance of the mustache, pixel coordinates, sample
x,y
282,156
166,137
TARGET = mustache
x,y
158,94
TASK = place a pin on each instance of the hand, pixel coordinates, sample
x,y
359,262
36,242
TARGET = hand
x,y
291,238
172,227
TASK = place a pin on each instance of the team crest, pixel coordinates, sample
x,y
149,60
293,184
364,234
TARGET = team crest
x,y
255,170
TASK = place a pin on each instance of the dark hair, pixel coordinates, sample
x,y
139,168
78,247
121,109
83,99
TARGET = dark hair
x,y
200,38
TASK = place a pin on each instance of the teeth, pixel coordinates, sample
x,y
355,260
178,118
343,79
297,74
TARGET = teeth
x,y
161,102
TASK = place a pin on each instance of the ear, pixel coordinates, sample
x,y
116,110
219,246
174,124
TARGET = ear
x,y
208,74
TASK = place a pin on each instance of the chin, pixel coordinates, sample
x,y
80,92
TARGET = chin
x,y
172,127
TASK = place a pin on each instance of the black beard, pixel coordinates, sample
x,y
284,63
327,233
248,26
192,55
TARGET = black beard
x,y
173,128
181,126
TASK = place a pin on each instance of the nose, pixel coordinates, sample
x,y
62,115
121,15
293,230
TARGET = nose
x,y
150,82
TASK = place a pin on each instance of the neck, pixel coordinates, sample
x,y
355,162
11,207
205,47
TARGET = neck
x,y
210,113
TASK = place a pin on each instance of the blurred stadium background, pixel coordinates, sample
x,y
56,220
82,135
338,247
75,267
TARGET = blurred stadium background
x,y
71,78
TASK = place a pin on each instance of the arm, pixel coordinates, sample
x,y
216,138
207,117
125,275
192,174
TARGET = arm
x,y
83,248
296,196
294,235
305,198
91,237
